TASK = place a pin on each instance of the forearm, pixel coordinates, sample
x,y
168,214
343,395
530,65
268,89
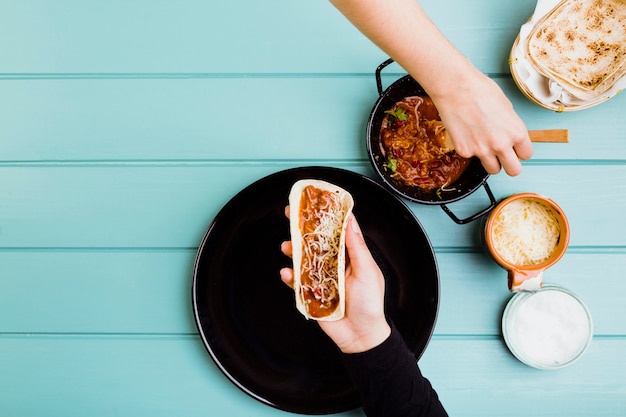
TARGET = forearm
x,y
402,29
390,382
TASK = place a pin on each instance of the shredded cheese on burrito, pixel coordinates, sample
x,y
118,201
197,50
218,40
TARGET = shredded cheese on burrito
x,y
525,232
320,248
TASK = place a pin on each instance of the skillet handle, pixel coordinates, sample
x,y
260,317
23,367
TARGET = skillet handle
x,y
379,83
473,217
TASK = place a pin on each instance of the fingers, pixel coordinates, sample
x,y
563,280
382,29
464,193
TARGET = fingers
x,y
510,160
286,248
286,275
491,159
524,148
511,163
358,252
491,163
503,156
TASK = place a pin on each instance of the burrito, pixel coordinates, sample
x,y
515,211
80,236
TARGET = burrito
x,y
318,214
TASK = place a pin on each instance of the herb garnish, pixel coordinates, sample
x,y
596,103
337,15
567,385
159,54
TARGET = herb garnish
x,y
392,163
399,113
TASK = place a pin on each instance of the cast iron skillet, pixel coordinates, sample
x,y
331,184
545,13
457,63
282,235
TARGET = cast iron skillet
x,y
473,177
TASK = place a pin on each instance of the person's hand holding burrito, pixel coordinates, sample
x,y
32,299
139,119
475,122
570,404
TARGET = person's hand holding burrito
x,y
364,325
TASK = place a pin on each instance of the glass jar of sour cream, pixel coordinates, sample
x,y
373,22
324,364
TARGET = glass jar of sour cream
x,y
547,329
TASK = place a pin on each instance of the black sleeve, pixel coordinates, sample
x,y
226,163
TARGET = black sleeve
x,y
390,382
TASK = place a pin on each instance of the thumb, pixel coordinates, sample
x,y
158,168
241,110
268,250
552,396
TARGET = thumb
x,y
358,253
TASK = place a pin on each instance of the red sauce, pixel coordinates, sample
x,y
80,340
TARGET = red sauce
x,y
413,141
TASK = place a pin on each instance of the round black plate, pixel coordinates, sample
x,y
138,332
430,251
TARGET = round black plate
x,y
247,317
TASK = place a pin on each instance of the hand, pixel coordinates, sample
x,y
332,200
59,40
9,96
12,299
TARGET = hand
x,y
364,325
478,116
481,122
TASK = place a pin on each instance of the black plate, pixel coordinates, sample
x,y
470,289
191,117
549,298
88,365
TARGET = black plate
x,y
247,317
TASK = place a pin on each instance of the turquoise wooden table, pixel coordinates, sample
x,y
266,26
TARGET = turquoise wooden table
x,y
126,126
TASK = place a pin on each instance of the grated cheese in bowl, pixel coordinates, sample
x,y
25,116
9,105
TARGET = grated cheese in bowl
x,y
525,232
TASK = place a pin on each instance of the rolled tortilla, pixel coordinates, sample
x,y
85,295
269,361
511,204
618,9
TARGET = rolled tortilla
x,y
318,218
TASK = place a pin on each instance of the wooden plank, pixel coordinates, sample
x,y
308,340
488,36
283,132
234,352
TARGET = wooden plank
x,y
149,291
163,376
161,205
96,291
193,36
100,376
481,377
474,290
185,119
209,119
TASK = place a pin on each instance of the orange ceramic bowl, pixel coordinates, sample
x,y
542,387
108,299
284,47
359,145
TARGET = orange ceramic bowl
x,y
526,277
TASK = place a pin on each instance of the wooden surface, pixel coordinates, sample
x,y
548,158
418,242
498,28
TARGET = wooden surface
x,y
126,126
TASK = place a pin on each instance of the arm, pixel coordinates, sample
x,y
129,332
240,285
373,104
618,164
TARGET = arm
x,y
477,114
381,365
390,382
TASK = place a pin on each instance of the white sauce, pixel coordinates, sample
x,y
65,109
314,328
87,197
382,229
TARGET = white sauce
x,y
549,329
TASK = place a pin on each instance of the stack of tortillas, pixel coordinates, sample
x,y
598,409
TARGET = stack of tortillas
x,y
571,54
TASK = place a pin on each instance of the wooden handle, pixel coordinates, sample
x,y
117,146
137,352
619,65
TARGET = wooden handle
x,y
549,135
552,135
